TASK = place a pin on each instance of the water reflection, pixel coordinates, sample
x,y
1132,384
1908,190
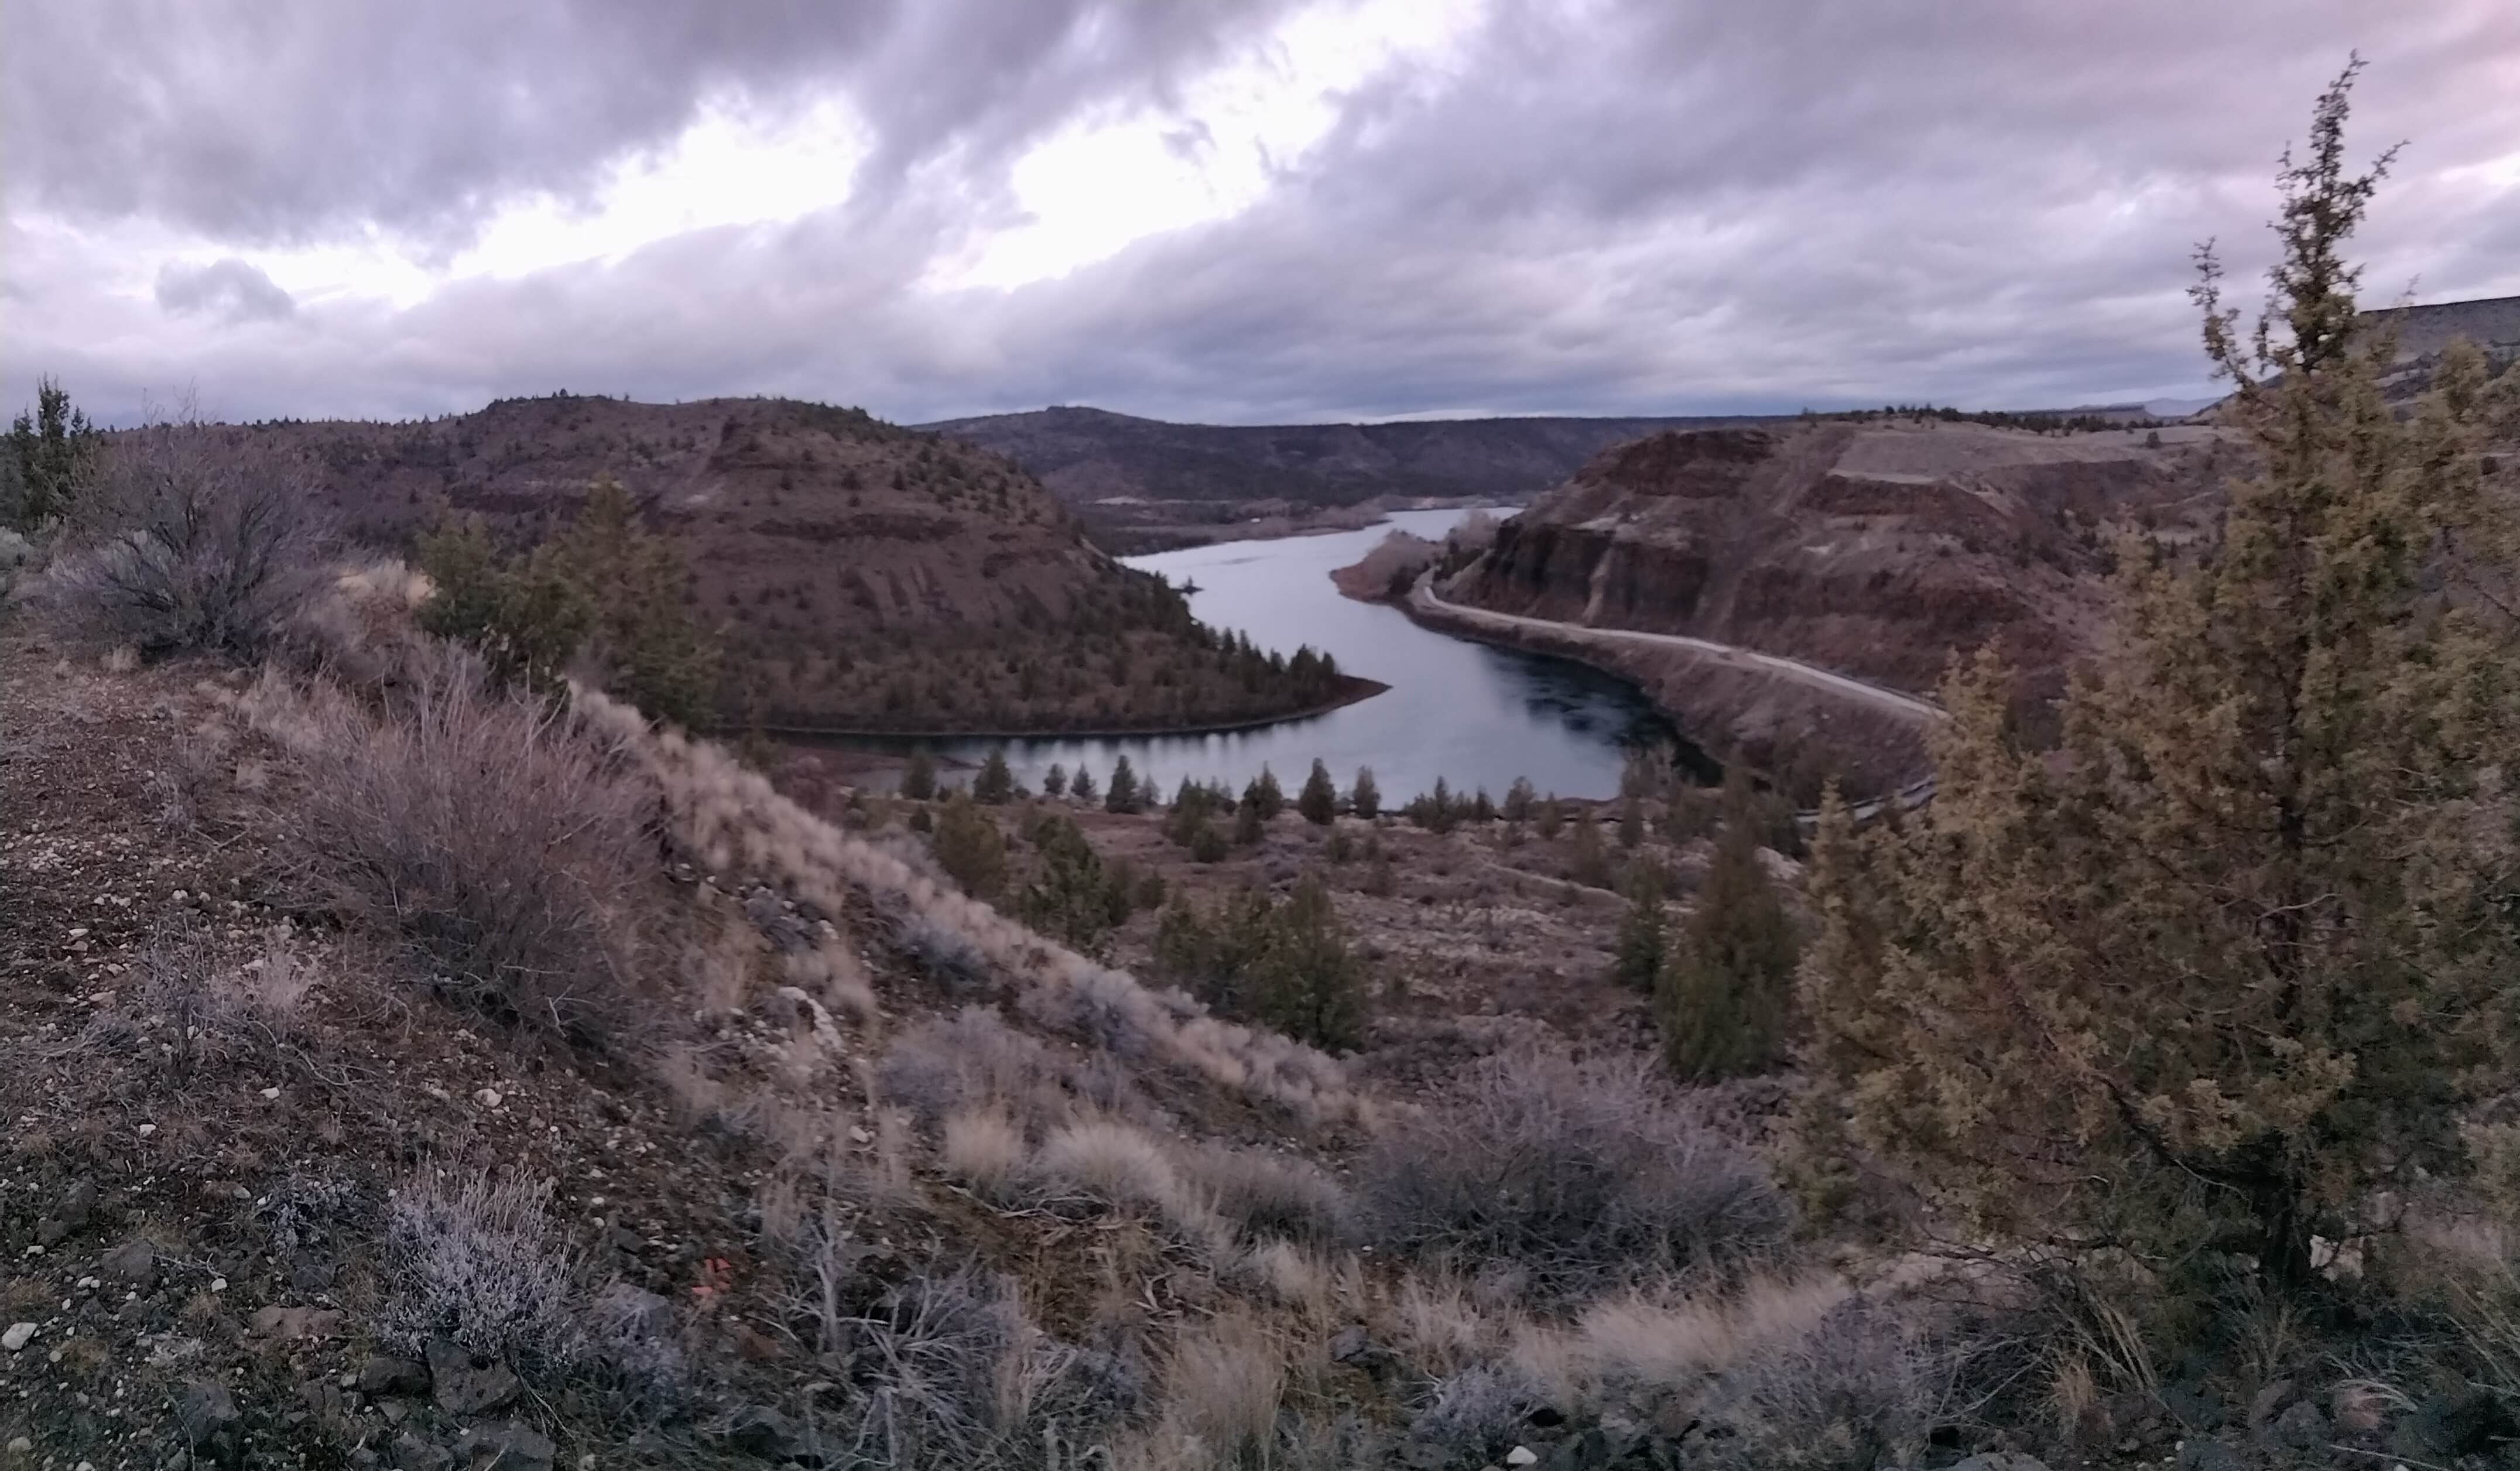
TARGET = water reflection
x,y
1476,716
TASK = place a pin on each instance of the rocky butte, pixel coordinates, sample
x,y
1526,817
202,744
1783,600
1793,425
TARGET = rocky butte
x,y
1871,551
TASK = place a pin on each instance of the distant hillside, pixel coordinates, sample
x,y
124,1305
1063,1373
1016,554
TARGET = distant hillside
x,y
1876,550
1142,482
859,575
2492,323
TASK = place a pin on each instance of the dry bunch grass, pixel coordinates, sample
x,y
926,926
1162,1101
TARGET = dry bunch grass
x,y
482,831
737,823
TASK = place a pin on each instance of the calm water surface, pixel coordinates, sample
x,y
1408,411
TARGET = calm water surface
x,y
1473,714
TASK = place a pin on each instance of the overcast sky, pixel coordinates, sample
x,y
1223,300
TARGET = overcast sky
x,y
1229,211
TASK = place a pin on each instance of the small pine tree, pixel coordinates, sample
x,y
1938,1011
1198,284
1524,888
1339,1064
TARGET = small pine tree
x,y
995,786
1519,799
52,452
1306,983
1123,795
1589,864
1366,798
1722,995
1083,788
1272,797
1636,959
1547,819
919,777
1054,782
1319,800
970,848
1070,895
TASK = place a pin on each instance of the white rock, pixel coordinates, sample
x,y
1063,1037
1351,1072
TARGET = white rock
x,y
270,1093
146,1129
1522,1455
488,1098
18,1336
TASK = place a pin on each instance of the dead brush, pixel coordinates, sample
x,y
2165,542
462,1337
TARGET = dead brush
x,y
477,829
1575,1175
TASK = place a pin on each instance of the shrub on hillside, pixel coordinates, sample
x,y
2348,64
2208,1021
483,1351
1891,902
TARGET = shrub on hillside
x,y
1070,894
954,1377
183,543
608,591
1727,980
1285,965
1864,1387
480,830
970,848
1577,1175
479,1263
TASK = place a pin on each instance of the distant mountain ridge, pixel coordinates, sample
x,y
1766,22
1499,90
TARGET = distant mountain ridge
x,y
1129,478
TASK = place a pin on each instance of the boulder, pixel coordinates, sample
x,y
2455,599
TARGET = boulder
x,y
384,1374
134,1263
206,1414
467,1385
68,1214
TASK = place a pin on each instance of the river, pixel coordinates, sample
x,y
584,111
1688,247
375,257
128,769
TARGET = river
x,y
1471,713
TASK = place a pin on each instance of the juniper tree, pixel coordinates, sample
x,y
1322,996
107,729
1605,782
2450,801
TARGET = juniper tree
x,y
1265,793
1319,800
996,783
2238,955
1366,798
1727,977
970,848
1054,782
1644,932
52,452
1082,788
1122,796
919,776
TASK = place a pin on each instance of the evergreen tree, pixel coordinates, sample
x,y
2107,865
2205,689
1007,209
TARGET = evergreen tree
x,y
1285,965
653,649
1722,992
1547,820
1307,985
1248,828
970,848
1519,800
1366,798
1589,865
996,783
2240,953
1265,793
1123,796
1636,958
50,454
1319,800
1054,782
1082,788
1070,895
919,777
527,617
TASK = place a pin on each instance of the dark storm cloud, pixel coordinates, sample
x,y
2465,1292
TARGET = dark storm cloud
x,y
1601,207
280,120
233,289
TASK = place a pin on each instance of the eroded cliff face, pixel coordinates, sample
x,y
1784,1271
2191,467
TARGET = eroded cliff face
x,y
1875,550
